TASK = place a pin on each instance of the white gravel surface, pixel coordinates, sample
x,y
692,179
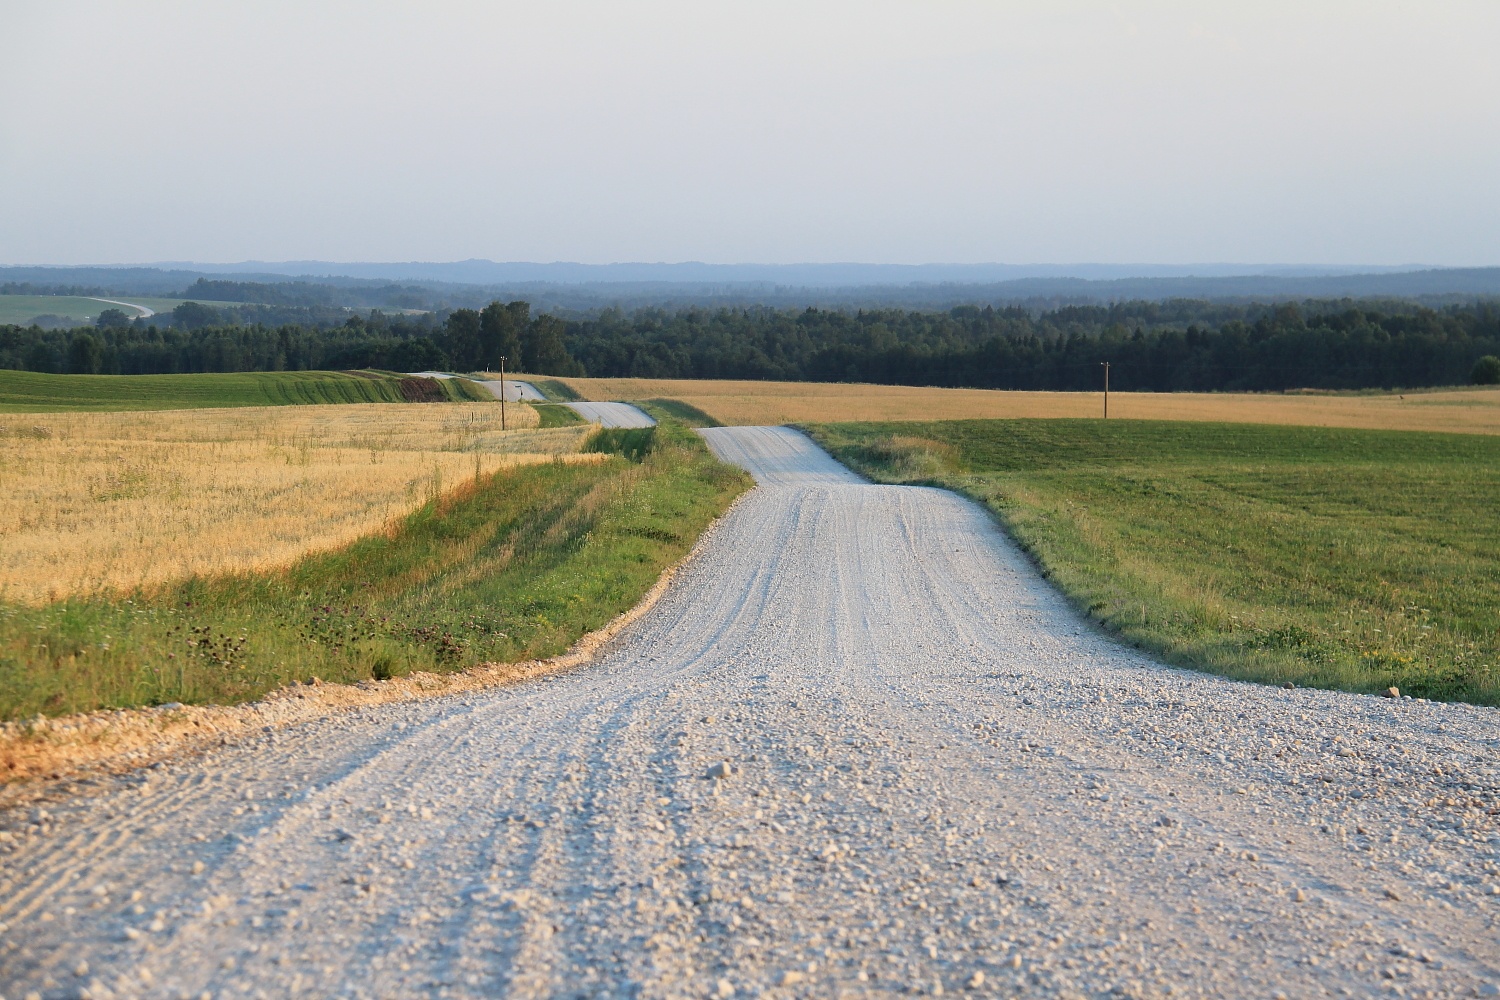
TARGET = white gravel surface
x,y
613,414
934,776
141,311
515,390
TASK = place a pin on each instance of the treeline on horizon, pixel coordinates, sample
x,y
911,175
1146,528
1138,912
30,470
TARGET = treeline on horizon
x,y
1151,346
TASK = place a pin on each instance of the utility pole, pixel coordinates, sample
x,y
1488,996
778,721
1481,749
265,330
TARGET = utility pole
x,y
1106,388
502,393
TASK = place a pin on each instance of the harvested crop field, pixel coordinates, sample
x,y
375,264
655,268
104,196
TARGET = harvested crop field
x,y
113,501
1470,411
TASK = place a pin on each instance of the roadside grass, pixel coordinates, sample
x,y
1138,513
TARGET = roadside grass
x,y
509,566
634,443
557,415
743,402
555,390
1330,558
38,392
676,409
112,501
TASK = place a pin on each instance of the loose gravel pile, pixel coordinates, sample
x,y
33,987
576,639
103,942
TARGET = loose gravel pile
x,y
859,747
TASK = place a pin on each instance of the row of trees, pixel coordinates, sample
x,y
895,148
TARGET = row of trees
x,y
1219,346
478,339
467,340
1151,346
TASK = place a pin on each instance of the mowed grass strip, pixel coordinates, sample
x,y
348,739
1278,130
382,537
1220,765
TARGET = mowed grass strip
x,y
112,501
741,403
1332,558
514,565
37,392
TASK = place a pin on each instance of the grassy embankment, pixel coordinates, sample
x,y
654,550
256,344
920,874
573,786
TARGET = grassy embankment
x,y
739,403
33,392
1330,558
510,566
557,415
556,391
676,409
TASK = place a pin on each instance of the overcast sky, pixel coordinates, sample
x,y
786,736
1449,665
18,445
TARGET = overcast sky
x,y
900,132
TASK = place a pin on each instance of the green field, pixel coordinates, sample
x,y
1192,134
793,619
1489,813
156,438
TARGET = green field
x,y
510,567
557,415
20,309
1326,557
555,391
676,409
23,392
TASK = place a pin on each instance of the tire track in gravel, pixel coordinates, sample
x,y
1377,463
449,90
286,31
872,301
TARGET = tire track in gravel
x,y
943,779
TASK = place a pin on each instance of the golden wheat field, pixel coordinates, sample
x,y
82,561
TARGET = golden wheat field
x,y
111,501
1471,411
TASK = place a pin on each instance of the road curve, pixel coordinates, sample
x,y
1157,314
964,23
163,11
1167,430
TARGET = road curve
x,y
141,311
940,778
515,391
613,414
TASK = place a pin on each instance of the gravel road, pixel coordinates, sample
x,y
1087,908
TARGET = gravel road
x,y
515,390
141,311
613,414
939,778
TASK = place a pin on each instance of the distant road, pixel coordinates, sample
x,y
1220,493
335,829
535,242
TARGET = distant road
x,y
514,391
613,414
143,310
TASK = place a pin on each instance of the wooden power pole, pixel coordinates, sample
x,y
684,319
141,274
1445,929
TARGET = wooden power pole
x,y
502,393
1106,388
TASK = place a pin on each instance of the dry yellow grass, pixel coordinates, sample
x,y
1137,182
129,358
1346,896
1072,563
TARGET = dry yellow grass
x,y
111,501
1470,411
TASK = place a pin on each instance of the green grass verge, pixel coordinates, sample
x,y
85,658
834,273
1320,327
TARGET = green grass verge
x,y
676,409
510,567
38,392
557,415
462,390
554,390
634,443
1331,558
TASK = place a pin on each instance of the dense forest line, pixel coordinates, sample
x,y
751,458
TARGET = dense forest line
x,y
1168,346
1172,346
467,340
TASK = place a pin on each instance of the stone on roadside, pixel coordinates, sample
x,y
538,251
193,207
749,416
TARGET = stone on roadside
x,y
724,989
722,769
1393,692
791,977
976,980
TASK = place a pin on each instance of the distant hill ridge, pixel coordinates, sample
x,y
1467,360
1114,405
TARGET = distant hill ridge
x,y
573,286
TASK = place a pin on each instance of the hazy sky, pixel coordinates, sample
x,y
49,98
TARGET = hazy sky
x,y
902,132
